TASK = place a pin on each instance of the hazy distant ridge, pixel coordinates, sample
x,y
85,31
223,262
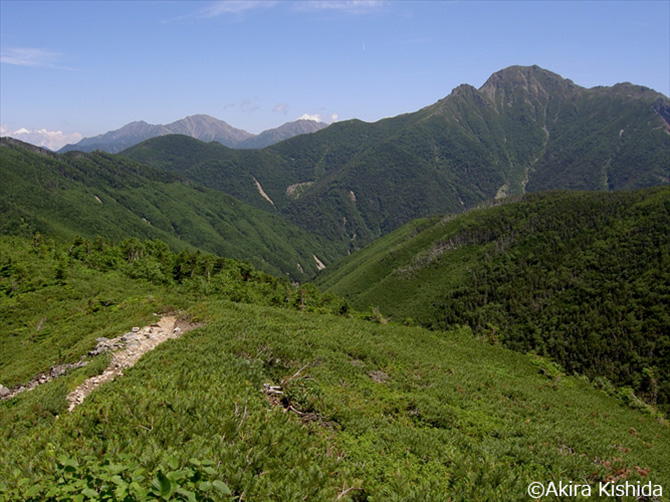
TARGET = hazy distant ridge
x,y
202,127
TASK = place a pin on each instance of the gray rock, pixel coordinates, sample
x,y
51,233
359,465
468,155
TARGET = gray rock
x,y
4,391
62,369
58,370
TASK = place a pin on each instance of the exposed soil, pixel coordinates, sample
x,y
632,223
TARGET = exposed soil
x,y
135,344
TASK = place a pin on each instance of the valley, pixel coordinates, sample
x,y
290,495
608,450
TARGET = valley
x,y
98,194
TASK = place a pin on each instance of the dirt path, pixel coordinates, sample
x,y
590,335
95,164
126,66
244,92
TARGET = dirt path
x,y
135,344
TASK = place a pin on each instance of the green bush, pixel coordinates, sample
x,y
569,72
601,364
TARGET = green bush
x,y
95,479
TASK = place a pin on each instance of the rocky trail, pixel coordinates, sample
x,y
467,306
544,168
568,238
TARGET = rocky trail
x,y
126,351
134,344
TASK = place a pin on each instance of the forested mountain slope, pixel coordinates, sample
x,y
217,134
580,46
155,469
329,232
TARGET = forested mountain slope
x,y
526,129
583,278
274,397
99,194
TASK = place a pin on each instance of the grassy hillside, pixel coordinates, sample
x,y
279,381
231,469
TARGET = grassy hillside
x,y
99,194
582,278
364,411
57,298
525,130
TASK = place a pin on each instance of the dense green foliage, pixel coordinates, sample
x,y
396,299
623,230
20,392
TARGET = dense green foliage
x,y
526,129
99,194
56,300
125,480
361,410
581,277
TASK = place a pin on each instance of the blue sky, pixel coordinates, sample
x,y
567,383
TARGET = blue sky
x,y
83,68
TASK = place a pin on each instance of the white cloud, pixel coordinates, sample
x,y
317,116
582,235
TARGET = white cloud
x,y
347,6
38,58
236,7
317,117
281,108
306,116
54,140
232,7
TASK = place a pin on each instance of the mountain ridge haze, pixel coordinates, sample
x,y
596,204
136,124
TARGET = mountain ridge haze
x,y
200,126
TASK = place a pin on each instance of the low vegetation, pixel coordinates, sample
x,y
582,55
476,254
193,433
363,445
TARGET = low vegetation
x,y
283,393
581,278
58,298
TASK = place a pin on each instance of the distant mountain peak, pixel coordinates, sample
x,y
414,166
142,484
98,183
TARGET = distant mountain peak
x,y
200,126
200,116
207,128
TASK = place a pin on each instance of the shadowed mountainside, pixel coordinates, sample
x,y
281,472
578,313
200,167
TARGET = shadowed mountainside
x,y
98,194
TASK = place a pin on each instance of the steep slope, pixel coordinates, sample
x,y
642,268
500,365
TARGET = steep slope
x,y
286,172
581,277
605,138
267,403
215,166
526,129
99,194
202,127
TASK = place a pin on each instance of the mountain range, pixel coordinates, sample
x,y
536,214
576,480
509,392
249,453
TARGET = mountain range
x,y
202,127
525,223
525,130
